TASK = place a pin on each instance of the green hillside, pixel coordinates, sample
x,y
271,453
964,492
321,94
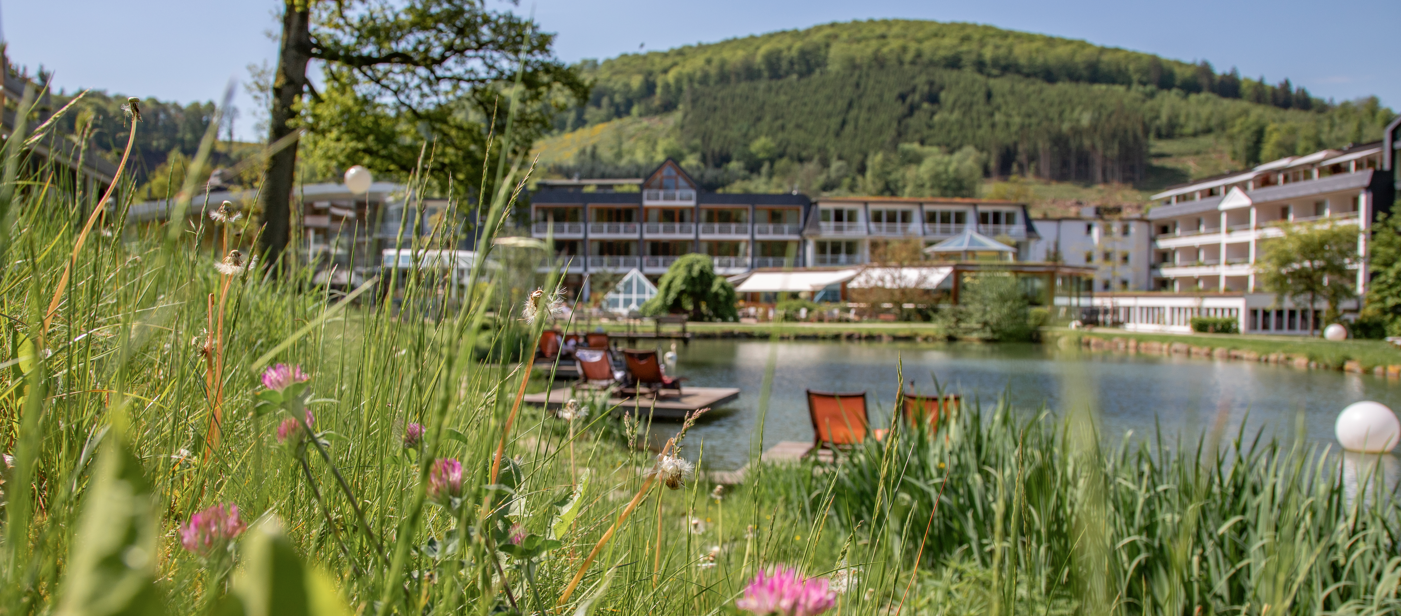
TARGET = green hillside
x,y
827,110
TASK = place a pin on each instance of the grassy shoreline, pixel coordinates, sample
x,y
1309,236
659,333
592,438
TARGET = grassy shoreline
x,y
1352,355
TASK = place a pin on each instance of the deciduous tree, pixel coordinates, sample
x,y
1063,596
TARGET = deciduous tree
x,y
690,286
1311,263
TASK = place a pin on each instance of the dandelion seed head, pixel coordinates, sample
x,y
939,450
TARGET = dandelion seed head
x,y
674,471
718,493
572,411
225,213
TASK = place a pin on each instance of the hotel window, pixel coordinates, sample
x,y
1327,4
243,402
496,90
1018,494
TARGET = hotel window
x,y
997,218
1320,208
1123,284
1127,230
1108,286
1285,212
1090,228
839,215
892,216
1124,258
945,217
1089,256
1108,256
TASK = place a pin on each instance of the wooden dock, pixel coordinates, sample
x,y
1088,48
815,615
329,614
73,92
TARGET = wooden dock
x,y
668,407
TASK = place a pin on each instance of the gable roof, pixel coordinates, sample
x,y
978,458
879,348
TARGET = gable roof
x,y
656,174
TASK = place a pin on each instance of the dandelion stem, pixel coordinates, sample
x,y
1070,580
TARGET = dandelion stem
x,y
345,487
511,419
316,493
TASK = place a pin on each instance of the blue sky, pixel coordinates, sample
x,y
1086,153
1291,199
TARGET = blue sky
x,y
188,50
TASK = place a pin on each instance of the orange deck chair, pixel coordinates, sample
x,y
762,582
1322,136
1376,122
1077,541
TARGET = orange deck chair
x,y
596,340
549,343
647,371
838,420
933,409
595,371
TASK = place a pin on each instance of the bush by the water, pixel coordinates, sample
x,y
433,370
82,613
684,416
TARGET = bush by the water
x,y
691,287
1215,325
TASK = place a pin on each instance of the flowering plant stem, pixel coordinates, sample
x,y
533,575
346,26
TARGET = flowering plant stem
x,y
345,487
515,407
326,512
608,535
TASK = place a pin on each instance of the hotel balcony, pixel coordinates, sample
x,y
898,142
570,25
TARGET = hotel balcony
x,y
772,230
944,229
565,264
1012,231
613,229
839,260
561,229
668,197
613,263
731,265
653,263
896,229
669,229
843,228
775,262
724,229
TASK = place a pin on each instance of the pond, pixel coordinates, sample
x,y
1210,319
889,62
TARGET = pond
x,y
1129,392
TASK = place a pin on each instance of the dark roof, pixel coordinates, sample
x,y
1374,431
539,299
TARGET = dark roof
x,y
679,169
578,197
710,198
1271,193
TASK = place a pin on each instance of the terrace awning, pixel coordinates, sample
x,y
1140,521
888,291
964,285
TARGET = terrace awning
x,y
793,282
900,278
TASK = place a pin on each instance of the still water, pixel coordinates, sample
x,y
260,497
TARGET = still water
x,y
1130,392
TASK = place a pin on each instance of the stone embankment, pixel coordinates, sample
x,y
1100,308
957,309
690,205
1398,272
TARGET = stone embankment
x,y
1302,362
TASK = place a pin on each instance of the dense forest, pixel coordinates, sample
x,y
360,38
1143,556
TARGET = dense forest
x,y
835,96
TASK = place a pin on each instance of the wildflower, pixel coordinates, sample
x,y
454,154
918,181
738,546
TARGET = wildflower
x,y
696,525
211,530
225,213
290,430
718,494
233,264
708,560
517,534
749,531
572,411
282,376
674,471
786,593
133,108
845,579
413,436
445,480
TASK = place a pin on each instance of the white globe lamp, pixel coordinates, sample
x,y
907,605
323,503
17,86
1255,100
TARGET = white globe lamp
x,y
1335,332
1368,427
358,180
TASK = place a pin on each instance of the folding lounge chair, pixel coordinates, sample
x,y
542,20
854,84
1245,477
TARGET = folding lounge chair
x,y
595,371
647,372
596,340
838,420
550,340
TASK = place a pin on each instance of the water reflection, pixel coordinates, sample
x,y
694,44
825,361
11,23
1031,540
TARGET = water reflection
x,y
1186,396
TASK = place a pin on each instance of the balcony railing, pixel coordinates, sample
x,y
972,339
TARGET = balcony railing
x,y
597,262
1238,261
658,262
560,228
669,228
843,228
775,262
684,195
1204,231
562,263
1245,226
731,262
775,230
991,230
894,228
944,228
725,228
839,260
613,228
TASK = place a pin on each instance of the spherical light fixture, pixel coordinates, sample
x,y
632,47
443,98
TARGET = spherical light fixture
x,y
1335,332
358,180
1368,427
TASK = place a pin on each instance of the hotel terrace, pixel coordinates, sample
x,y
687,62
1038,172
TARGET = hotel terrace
x,y
617,225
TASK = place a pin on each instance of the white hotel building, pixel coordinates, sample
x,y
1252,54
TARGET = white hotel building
x,y
1207,238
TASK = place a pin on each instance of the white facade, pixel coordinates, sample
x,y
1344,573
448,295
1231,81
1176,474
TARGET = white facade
x,y
1207,235
1255,313
1118,249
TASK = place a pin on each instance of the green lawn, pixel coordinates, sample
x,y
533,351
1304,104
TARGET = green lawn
x,y
762,330
1368,353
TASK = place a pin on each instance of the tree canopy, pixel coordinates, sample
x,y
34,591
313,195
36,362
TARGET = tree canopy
x,y
1309,263
690,286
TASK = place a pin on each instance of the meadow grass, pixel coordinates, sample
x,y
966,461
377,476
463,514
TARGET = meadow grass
x,y
419,484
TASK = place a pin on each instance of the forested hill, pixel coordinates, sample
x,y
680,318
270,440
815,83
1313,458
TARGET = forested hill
x,y
1014,103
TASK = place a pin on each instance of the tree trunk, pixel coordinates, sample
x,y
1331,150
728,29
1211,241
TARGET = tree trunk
x,y
279,172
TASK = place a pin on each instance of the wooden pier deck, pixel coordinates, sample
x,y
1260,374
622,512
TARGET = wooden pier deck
x,y
669,407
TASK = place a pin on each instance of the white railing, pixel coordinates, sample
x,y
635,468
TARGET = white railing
x,y
684,195
658,262
731,262
770,230
597,262
613,228
944,228
560,228
1007,230
894,228
775,262
839,260
843,228
1245,226
669,228
562,263
725,228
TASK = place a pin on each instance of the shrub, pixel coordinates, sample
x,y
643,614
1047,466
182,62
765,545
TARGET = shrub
x,y
690,286
1215,325
791,309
